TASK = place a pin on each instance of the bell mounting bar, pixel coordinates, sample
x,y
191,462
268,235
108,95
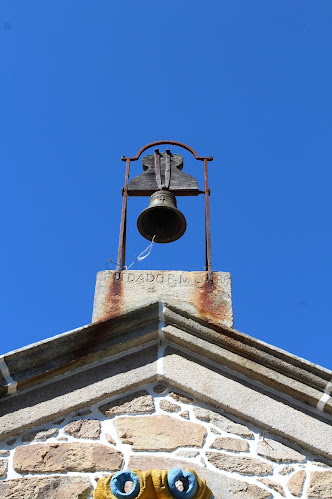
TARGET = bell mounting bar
x,y
122,236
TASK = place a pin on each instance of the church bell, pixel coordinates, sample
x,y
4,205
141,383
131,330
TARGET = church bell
x,y
162,221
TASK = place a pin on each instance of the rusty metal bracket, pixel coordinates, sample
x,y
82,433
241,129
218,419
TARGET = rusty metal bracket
x,y
157,168
168,169
122,236
170,142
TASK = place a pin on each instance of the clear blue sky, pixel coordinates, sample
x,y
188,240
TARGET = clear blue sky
x,y
249,82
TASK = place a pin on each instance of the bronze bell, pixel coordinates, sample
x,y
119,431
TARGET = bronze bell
x,y
162,219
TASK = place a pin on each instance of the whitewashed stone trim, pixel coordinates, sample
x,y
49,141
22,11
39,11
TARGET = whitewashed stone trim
x,y
325,397
11,384
162,341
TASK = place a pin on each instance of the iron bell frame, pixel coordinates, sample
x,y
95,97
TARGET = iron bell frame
x,y
123,224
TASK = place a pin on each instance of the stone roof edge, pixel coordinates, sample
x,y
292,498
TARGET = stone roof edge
x,y
243,344
76,349
270,368
259,361
248,339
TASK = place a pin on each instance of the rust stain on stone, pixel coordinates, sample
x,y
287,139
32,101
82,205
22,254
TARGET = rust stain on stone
x,y
113,301
86,347
208,299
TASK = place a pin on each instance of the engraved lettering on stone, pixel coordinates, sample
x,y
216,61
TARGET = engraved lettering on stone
x,y
173,280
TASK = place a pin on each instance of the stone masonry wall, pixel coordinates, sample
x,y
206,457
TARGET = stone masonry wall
x,y
157,427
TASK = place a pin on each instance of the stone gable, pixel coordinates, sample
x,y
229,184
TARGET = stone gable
x,y
211,441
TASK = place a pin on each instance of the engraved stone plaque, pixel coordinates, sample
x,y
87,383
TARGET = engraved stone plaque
x,y
190,291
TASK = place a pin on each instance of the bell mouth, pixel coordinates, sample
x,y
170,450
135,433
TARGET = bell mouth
x,y
162,223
